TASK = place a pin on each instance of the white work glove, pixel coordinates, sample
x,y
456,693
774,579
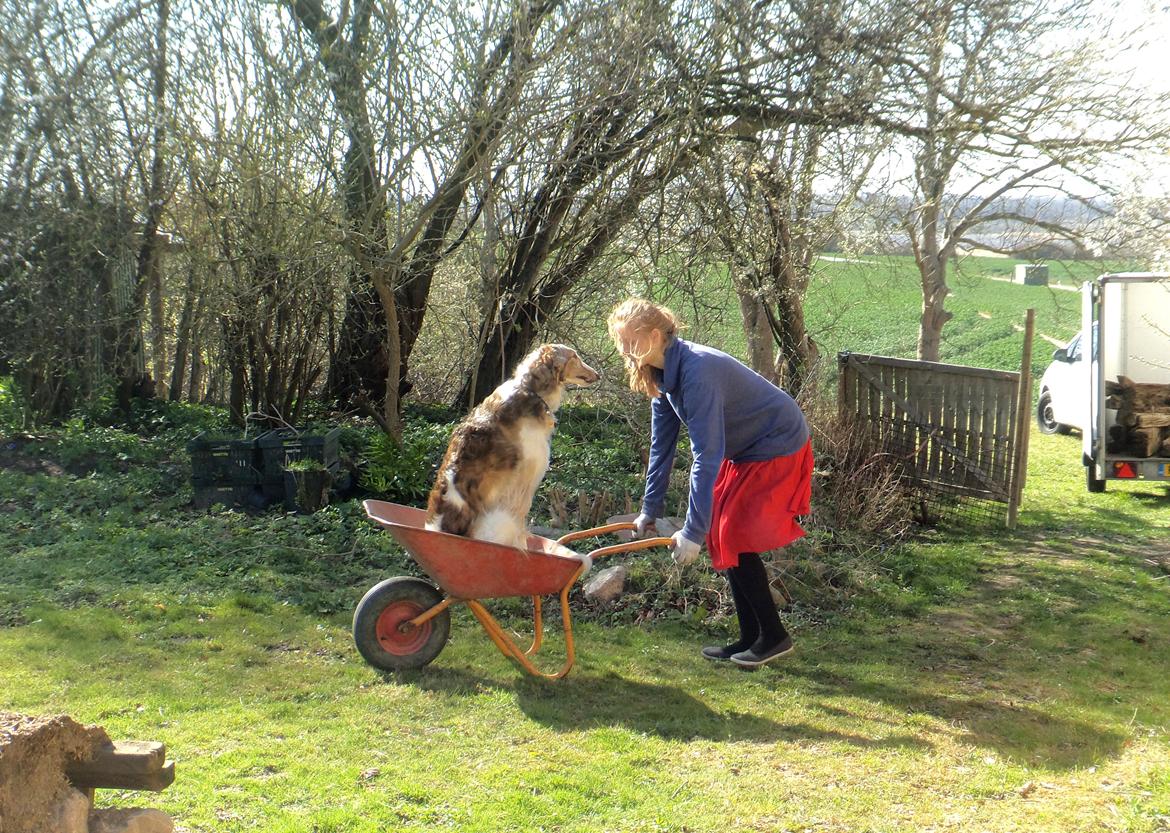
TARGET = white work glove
x,y
644,524
683,549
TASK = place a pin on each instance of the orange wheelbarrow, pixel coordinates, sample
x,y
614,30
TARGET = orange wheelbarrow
x,y
404,622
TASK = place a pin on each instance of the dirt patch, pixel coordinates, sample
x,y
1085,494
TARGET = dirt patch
x,y
13,456
34,752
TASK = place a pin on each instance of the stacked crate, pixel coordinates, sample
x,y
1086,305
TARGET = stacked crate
x,y
250,472
285,445
225,470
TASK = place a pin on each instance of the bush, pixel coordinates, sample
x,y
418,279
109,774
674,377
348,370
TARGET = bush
x,y
15,414
404,472
857,497
594,466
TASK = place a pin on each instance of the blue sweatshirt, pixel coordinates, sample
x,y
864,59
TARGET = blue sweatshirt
x,y
731,413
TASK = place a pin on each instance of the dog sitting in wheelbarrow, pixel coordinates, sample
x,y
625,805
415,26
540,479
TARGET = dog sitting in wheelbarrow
x,y
483,492
499,454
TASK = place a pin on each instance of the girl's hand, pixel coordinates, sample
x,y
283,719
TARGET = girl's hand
x,y
684,550
644,524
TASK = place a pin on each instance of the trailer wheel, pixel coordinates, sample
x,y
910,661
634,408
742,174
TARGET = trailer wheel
x,y
1091,480
381,627
1045,420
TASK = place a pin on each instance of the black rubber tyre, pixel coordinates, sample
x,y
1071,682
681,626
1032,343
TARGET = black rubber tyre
x,y
1044,419
379,615
1091,480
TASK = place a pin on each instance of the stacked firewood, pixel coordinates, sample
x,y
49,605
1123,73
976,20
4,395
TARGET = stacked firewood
x,y
1143,418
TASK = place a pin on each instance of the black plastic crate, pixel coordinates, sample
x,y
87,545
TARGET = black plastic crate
x,y
249,496
225,470
282,446
221,462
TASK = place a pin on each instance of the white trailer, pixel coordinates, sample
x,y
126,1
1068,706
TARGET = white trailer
x,y
1129,317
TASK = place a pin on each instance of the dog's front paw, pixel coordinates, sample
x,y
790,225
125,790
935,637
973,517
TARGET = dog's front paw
x,y
565,552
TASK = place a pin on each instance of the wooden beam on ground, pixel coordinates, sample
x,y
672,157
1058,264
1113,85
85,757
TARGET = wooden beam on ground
x,y
124,765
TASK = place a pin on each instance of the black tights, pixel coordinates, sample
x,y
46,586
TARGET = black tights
x,y
760,627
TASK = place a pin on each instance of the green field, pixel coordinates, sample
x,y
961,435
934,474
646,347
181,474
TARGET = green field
x,y
871,305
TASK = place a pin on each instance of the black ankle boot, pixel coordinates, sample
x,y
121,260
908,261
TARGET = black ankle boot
x,y
757,655
717,653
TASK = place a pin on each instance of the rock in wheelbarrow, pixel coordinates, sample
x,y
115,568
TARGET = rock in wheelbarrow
x,y
666,526
607,585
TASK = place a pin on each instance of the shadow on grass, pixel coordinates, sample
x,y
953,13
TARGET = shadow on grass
x,y
583,702
1022,733
670,712
1107,519
1026,662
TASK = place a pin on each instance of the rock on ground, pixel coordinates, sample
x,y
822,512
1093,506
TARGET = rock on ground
x,y
606,585
132,820
72,813
34,752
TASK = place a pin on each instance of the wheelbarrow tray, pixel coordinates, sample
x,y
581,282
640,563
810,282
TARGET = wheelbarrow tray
x,y
468,569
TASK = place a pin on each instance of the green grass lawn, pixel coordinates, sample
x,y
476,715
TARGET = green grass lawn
x,y
989,682
983,680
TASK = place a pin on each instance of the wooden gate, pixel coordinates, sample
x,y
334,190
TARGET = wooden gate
x,y
951,429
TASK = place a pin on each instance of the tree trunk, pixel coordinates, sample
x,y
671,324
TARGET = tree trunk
x,y
195,387
932,268
758,333
131,352
508,342
489,275
932,167
391,418
195,383
798,352
158,340
934,314
183,339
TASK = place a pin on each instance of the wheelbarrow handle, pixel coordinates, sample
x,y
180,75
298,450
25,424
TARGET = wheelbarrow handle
x,y
632,546
597,530
629,546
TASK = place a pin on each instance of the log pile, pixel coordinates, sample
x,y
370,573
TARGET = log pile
x,y
1143,418
50,766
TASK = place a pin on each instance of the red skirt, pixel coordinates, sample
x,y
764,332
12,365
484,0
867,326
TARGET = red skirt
x,y
755,506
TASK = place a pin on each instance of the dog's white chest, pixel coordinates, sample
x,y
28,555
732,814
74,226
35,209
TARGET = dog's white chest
x,y
534,445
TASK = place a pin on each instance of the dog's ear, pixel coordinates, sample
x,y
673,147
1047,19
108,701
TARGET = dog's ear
x,y
564,361
543,371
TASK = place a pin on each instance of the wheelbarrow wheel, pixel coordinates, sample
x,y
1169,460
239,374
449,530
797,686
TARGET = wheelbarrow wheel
x,y
381,628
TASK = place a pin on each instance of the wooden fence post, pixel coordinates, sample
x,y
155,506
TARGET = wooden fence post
x,y
1023,417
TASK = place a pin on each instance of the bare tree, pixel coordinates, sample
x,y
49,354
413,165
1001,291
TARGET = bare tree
x,y
759,195
148,275
1010,110
255,207
71,205
399,263
582,171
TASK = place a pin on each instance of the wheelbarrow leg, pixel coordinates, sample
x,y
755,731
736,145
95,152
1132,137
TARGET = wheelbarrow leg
x,y
538,625
511,649
427,615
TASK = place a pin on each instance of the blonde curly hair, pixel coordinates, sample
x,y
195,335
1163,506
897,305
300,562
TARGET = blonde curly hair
x,y
637,315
